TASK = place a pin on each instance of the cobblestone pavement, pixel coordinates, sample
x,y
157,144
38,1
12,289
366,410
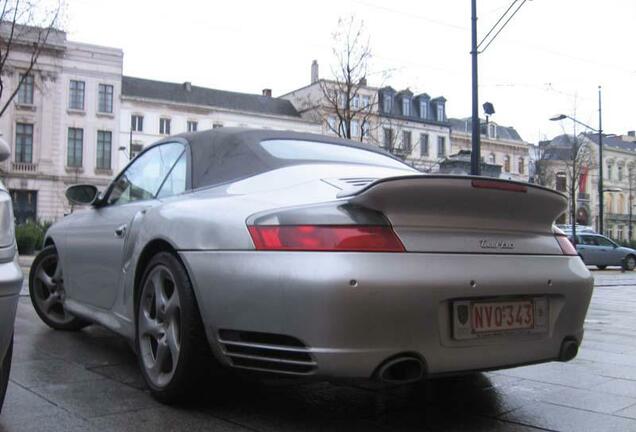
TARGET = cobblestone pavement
x,y
88,381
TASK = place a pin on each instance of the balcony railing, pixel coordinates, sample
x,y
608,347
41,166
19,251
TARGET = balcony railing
x,y
26,167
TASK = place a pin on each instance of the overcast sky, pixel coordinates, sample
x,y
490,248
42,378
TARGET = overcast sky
x,y
550,59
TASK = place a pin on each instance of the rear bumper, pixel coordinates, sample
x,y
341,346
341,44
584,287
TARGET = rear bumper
x,y
353,311
10,286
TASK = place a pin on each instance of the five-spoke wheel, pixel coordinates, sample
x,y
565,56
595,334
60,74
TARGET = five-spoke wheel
x,y
46,288
173,352
159,325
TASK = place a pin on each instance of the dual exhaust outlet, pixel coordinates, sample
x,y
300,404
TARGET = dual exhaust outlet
x,y
402,370
409,369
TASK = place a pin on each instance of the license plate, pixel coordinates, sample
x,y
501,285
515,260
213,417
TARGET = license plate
x,y
477,318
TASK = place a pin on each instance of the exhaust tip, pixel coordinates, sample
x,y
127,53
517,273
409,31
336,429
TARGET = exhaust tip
x,y
401,370
569,349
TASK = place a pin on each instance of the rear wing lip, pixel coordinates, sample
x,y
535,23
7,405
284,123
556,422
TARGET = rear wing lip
x,y
351,193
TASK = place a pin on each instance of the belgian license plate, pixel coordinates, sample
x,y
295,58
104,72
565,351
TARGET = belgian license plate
x,y
476,318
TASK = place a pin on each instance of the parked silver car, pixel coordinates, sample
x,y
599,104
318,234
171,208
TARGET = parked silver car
x,y
307,256
10,280
598,250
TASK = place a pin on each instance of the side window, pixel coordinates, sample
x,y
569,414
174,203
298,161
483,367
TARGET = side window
x,y
590,240
142,179
602,241
176,181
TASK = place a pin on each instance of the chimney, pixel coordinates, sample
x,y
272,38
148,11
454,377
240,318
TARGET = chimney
x,y
314,72
631,133
187,86
267,92
363,81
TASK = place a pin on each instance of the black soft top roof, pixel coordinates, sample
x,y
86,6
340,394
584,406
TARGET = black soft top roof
x,y
226,154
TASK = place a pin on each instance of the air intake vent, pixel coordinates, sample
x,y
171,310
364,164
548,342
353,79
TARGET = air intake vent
x,y
350,182
266,352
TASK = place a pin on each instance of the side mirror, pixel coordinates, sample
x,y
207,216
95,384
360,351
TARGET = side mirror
x,y
83,194
5,150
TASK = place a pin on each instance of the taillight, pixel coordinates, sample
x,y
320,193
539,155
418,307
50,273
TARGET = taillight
x,y
566,245
325,238
498,185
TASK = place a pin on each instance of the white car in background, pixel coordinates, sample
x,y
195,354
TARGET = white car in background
x,y
10,280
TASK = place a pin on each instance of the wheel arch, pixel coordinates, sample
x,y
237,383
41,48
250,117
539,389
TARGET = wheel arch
x,y
48,241
151,249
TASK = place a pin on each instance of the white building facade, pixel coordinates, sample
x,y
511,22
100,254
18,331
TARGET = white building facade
x,y
62,126
619,181
499,145
411,126
151,110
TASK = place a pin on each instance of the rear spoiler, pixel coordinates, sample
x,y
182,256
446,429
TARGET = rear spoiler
x,y
461,202
350,192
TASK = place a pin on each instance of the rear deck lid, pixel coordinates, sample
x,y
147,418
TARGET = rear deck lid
x,y
461,214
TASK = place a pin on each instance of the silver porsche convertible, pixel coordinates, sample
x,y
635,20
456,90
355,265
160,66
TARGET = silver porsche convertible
x,y
301,255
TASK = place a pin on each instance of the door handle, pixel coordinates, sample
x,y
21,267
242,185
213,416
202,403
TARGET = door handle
x,y
120,232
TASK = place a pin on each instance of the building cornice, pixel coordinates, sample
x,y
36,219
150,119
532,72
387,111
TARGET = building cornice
x,y
465,136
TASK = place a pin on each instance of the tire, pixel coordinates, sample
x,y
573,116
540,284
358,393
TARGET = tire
x,y
601,267
46,289
629,262
173,353
5,369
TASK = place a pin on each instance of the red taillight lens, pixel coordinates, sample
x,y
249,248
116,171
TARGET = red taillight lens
x,y
566,245
325,238
499,185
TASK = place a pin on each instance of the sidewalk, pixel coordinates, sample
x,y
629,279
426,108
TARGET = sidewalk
x,y
25,262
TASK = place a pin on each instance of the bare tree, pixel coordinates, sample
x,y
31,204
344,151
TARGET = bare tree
x,y
25,27
342,94
541,163
575,159
388,135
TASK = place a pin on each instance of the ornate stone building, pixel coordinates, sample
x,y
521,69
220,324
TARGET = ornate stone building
x,y
413,126
62,125
619,180
500,145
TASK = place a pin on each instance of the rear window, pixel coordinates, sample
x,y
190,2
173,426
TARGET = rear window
x,y
324,152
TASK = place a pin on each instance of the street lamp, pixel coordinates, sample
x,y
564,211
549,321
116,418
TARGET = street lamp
x,y
599,131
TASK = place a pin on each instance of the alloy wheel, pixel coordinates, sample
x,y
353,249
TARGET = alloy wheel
x,y
159,326
48,290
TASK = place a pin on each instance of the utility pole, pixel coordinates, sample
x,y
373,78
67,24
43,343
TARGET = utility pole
x,y
574,184
504,19
475,155
630,179
600,166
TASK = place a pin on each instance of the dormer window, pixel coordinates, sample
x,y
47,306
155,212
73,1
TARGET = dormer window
x,y
386,105
492,130
440,112
406,106
423,109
